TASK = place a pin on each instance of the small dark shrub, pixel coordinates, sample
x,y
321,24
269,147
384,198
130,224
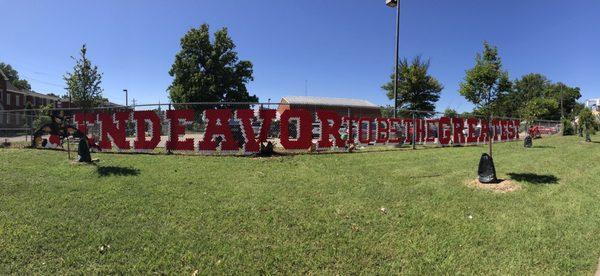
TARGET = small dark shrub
x,y
568,128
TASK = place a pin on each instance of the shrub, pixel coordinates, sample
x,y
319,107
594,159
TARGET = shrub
x,y
568,128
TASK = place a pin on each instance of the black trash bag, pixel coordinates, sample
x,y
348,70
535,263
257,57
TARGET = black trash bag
x,y
487,171
266,150
83,150
528,142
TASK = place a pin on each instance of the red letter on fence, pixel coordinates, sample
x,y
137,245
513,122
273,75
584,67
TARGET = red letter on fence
x,y
141,118
472,125
429,124
177,119
504,127
484,135
84,120
303,129
245,116
517,125
394,127
349,122
330,128
217,124
408,130
362,132
117,133
421,134
444,131
383,132
457,129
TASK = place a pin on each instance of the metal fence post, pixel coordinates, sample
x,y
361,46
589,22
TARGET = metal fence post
x,y
166,146
414,130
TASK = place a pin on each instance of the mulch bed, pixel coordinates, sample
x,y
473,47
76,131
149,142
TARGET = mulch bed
x,y
503,186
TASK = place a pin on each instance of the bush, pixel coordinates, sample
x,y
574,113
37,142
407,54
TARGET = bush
x,y
568,128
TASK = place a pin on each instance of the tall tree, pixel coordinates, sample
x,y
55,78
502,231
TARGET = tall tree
x,y
209,71
531,86
566,97
417,90
13,77
588,121
449,112
486,82
538,108
83,84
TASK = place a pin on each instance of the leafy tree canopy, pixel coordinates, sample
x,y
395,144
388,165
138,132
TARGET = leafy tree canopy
x,y
209,71
587,119
538,108
565,94
486,82
417,90
449,112
83,84
535,86
13,77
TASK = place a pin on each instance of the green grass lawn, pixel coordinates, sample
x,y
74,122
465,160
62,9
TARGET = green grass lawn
x,y
314,214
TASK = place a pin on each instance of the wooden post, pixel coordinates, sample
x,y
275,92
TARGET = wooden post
x,y
491,132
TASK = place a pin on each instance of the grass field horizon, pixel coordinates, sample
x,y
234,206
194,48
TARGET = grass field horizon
x,y
309,214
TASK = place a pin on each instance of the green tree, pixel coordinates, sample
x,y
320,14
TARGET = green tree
x,y
42,116
486,82
209,71
588,121
83,84
531,86
538,108
449,112
13,77
387,111
417,90
560,92
568,128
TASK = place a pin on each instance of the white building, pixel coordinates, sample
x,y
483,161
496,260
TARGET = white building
x,y
593,104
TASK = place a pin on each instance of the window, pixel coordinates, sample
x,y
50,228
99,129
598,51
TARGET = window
x,y
17,100
8,100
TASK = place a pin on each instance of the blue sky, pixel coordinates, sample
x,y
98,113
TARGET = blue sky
x,y
340,48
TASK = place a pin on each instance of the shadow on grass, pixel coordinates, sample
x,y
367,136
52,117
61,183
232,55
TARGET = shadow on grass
x,y
534,178
544,147
117,171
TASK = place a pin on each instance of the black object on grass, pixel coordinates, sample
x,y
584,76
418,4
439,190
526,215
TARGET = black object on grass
x,y
487,170
528,142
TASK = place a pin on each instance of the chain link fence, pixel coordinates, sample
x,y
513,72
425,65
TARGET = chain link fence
x,y
414,128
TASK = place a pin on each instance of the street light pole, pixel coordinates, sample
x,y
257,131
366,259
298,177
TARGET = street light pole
x,y
396,4
562,110
126,97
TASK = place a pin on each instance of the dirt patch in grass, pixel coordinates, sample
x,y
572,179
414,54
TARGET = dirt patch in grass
x,y
503,185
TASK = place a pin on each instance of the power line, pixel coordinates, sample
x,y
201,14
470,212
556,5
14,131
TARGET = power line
x,y
44,82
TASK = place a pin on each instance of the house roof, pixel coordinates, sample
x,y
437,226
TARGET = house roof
x,y
10,87
326,101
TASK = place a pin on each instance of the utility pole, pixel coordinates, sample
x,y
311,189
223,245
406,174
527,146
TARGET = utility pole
x,y
126,97
491,127
396,4
562,110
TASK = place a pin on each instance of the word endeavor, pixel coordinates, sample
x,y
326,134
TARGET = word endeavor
x,y
241,131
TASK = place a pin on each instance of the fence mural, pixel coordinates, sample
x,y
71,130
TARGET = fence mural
x,y
241,131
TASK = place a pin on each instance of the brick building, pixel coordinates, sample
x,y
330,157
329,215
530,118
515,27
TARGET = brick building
x,y
12,98
344,107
